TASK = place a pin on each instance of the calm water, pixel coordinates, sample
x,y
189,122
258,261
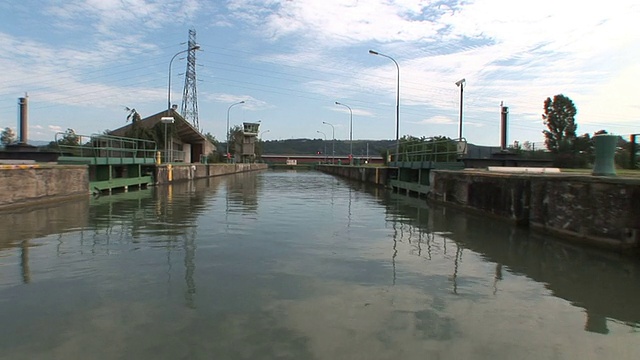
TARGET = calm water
x,y
301,265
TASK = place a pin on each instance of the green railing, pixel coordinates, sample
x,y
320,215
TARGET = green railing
x,y
105,147
430,149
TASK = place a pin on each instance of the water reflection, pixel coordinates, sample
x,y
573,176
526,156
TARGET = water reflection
x,y
602,283
19,227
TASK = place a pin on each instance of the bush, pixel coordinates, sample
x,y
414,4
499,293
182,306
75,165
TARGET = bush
x,y
214,157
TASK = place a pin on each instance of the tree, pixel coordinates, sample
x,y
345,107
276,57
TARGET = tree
x,y
8,137
213,156
559,117
69,138
212,139
235,137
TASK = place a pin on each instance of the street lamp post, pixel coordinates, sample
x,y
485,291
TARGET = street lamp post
x,y
166,120
333,142
460,84
397,100
325,144
260,145
228,130
350,132
196,47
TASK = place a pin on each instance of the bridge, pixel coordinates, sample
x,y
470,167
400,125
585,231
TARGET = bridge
x,y
294,159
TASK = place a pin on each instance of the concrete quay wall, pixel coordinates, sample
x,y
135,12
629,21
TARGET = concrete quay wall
x,y
601,211
167,173
367,174
29,184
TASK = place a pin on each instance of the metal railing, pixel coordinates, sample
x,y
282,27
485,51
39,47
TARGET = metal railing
x,y
173,156
104,146
431,149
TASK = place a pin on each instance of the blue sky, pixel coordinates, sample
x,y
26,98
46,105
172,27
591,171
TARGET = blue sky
x,y
83,61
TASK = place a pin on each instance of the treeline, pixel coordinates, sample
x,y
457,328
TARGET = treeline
x,y
318,146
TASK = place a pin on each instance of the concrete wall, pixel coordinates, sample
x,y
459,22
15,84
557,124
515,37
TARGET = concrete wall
x,y
27,184
604,210
368,174
595,210
171,173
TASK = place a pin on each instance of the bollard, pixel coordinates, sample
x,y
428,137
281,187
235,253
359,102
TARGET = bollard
x,y
605,145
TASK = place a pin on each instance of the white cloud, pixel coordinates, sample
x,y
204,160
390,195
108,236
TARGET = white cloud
x,y
440,120
355,111
340,22
250,103
109,16
55,128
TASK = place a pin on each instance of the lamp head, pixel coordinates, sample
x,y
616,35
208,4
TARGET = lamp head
x,y
460,82
241,102
373,52
195,47
337,103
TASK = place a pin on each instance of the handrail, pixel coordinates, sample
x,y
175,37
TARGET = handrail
x,y
104,146
431,149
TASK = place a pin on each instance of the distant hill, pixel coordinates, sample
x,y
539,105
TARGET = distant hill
x,y
38,142
313,146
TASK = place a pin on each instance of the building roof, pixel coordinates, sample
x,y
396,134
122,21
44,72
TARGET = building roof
x,y
185,131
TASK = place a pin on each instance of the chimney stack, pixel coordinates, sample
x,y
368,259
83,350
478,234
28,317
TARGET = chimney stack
x,y
504,114
23,119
